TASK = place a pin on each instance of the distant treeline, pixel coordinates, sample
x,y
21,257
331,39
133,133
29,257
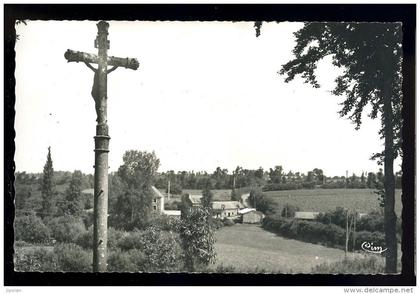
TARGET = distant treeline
x,y
273,179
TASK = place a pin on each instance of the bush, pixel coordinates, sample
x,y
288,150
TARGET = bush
x,y
85,240
217,223
120,261
377,238
66,229
336,217
313,232
114,237
171,206
289,210
30,228
35,260
139,260
366,265
72,258
334,185
162,250
281,187
228,222
132,240
165,223
372,222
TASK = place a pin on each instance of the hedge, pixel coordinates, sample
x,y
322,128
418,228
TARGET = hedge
x,y
314,232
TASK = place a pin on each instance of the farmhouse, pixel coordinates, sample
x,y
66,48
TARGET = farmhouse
x,y
229,209
251,216
306,215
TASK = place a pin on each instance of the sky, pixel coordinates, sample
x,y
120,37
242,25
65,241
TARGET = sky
x,y
206,94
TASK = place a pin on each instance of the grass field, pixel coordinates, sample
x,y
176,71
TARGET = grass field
x,y
322,200
249,248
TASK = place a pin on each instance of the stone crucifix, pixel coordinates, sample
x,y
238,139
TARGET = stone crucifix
x,y
99,94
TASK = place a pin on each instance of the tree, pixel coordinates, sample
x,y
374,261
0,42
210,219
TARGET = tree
x,y
47,187
197,238
276,174
133,206
73,202
261,203
207,198
371,180
319,176
370,55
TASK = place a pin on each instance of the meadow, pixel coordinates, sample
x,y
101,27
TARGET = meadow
x,y
249,248
322,200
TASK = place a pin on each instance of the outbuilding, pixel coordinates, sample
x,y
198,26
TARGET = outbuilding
x,y
251,216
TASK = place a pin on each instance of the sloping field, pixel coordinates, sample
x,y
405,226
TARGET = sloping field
x,y
322,200
249,248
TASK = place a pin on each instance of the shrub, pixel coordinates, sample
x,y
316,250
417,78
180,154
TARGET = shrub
x,y
372,222
66,229
138,258
72,258
334,185
217,223
114,237
132,240
228,222
164,222
162,250
336,217
313,232
85,240
120,261
289,210
377,238
35,260
281,187
366,265
30,228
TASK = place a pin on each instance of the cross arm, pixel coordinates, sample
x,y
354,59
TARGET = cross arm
x,y
77,56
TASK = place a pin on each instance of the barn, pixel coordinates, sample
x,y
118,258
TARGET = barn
x,y
251,216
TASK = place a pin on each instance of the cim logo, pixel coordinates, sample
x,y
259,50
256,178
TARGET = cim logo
x,y
369,247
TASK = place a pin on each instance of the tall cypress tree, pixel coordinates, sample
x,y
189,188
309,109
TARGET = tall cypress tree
x,y
47,187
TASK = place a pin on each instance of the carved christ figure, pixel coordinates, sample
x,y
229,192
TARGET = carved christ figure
x,y
100,115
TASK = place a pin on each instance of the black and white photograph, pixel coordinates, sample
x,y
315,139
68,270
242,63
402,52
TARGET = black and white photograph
x,y
209,147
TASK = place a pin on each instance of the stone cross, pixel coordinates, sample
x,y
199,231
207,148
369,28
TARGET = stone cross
x,y
99,94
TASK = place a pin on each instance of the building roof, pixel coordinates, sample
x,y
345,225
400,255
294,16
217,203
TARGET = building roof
x,y
195,199
306,215
246,210
222,205
172,212
157,193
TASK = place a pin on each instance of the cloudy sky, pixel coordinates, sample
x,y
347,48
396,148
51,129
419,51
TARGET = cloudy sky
x,y
206,94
